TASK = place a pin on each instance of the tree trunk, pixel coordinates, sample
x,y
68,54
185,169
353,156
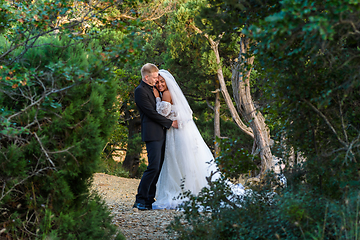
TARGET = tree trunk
x,y
217,122
245,105
226,94
235,116
132,158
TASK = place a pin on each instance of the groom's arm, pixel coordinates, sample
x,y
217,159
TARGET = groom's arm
x,y
143,102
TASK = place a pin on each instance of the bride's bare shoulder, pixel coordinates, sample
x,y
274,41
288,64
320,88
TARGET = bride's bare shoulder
x,y
166,96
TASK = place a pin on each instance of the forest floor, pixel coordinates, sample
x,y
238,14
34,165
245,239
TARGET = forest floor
x,y
119,194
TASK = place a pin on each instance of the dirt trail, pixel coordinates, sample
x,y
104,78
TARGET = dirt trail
x,y
119,194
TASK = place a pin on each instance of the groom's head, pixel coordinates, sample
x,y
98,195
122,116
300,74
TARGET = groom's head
x,y
149,73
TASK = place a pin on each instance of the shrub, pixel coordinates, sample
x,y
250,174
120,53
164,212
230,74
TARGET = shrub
x,y
109,166
260,214
56,110
235,159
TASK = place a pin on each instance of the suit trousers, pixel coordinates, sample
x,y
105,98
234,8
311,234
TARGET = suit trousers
x,y
147,187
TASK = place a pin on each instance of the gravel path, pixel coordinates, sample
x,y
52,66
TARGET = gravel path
x,y
119,194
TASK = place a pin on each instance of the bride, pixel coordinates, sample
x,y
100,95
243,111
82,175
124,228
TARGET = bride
x,y
188,160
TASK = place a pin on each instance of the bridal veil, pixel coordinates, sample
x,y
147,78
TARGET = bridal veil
x,y
187,157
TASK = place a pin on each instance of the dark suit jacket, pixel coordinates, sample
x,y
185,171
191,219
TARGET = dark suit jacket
x,y
153,124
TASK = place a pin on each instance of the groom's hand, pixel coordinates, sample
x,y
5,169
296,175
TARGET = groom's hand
x,y
174,124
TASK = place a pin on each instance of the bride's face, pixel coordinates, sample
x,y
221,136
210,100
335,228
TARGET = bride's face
x,y
161,84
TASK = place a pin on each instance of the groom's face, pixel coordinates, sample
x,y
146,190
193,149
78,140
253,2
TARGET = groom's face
x,y
152,78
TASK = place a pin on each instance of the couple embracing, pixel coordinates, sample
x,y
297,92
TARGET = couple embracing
x,y
179,159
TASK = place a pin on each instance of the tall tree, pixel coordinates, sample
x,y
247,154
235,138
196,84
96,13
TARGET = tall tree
x,y
230,18
312,50
195,63
139,17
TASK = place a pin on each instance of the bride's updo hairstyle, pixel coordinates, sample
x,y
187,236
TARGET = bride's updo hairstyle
x,y
147,69
183,110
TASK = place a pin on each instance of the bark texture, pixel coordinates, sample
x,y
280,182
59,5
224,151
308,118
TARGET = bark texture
x,y
235,116
245,105
217,122
132,158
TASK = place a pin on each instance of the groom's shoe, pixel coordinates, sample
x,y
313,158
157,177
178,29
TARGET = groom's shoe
x,y
141,206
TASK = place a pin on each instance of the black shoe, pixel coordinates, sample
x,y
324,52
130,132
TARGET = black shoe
x,y
142,206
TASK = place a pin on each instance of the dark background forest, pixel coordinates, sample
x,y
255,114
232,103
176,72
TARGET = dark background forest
x,y
266,80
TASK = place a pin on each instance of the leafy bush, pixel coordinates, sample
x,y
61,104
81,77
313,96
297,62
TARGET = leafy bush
x,y
259,214
234,159
109,166
314,98
309,56
57,109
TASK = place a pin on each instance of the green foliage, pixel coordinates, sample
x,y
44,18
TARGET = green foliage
x,y
211,215
172,45
262,214
235,159
308,55
193,63
313,56
126,134
93,214
111,167
57,111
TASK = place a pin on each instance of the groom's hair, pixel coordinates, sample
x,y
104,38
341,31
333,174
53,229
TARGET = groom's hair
x,y
147,69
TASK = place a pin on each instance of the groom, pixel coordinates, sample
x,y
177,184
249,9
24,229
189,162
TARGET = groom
x,y
153,133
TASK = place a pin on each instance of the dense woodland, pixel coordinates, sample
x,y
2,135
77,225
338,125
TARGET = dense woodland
x,y
265,79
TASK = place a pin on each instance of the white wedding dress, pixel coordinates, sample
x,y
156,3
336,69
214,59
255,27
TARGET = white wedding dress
x,y
188,160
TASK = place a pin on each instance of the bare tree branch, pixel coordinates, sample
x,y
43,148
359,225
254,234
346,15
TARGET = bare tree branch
x,y
43,149
41,99
3,194
225,93
326,120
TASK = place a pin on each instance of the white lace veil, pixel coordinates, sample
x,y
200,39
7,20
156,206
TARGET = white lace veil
x,y
182,108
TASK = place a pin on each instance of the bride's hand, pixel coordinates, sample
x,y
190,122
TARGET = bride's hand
x,y
175,124
156,92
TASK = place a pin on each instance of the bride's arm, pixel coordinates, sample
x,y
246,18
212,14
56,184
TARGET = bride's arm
x,y
166,96
162,107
